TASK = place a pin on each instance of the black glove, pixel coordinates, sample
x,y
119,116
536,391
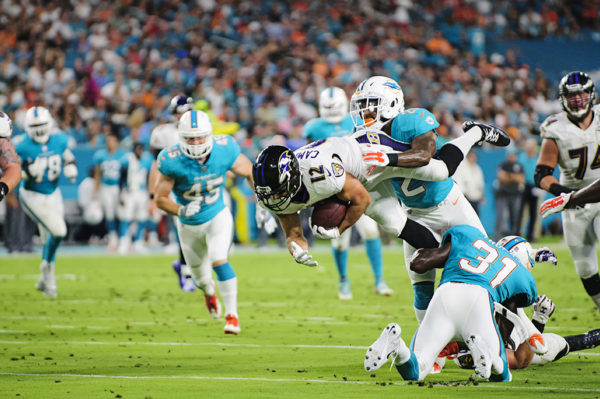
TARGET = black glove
x,y
3,190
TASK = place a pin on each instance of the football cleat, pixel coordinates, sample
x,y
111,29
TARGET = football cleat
x,y
382,289
438,365
490,134
232,325
481,356
47,281
213,305
384,347
344,292
537,344
185,282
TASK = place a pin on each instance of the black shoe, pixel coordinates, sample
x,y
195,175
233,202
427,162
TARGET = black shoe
x,y
491,134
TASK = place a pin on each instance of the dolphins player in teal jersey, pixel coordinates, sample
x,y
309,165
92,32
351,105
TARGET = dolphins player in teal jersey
x,y
194,169
43,157
378,103
477,272
334,121
107,173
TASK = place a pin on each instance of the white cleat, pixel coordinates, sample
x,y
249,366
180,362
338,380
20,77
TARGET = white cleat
x,y
47,282
481,356
383,289
384,347
232,325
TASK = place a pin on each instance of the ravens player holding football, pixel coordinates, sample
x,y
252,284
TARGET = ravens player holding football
x,y
570,140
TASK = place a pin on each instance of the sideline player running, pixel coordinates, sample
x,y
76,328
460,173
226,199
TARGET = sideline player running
x,y
334,121
195,171
378,103
477,272
43,156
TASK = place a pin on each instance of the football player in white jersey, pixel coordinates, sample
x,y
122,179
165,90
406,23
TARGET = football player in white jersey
x,y
334,121
134,197
571,140
43,156
107,173
286,182
588,195
9,160
163,136
194,169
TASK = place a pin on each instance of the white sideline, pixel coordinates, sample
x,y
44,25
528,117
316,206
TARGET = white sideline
x,y
195,377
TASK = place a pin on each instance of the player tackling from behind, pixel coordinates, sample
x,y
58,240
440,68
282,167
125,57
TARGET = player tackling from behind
x,y
570,140
194,169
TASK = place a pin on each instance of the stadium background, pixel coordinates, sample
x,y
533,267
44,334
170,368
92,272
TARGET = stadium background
x,y
113,66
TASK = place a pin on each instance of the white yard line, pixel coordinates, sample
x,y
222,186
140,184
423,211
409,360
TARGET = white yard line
x,y
303,381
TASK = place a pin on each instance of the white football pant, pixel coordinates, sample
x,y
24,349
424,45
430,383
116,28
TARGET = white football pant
x,y
367,228
204,244
47,210
452,211
109,199
455,312
135,206
581,229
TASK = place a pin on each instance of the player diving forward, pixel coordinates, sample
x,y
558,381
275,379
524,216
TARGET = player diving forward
x,y
195,171
334,121
378,103
570,140
477,272
43,157
286,182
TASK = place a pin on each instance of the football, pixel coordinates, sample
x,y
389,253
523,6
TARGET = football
x,y
329,213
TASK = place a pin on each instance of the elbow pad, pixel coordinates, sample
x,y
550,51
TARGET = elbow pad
x,y
542,171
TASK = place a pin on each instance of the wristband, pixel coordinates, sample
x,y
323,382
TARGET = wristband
x,y
393,159
3,188
556,189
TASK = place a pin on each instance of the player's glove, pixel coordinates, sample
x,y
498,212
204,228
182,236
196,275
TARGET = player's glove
x,y
555,205
3,190
265,219
70,171
325,234
543,308
545,254
34,169
301,255
189,210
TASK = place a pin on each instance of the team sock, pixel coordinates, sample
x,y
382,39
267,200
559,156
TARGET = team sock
x,y
592,287
418,236
340,257
423,293
227,283
49,250
588,340
374,254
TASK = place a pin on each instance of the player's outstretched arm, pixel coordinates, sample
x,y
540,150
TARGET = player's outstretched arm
x,y
422,149
243,167
426,259
297,244
10,166
586,195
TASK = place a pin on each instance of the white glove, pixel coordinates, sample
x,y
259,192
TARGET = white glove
x,y
301,255
36,168
325,234
555,205
189,210
543,308
265,219
70,172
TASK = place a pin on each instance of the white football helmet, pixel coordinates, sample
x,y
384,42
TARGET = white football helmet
x,y
5,125
195,124
376,102
93,214
181,104
571,84
333,104
38,124
519,248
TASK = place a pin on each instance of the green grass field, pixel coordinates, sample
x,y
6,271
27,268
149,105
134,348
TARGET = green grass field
x,y
121,328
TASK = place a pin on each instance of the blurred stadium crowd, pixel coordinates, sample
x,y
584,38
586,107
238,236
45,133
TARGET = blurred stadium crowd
x,y
104,66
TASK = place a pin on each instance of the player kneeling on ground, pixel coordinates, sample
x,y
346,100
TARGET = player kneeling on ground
x,y
194,169
477,272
